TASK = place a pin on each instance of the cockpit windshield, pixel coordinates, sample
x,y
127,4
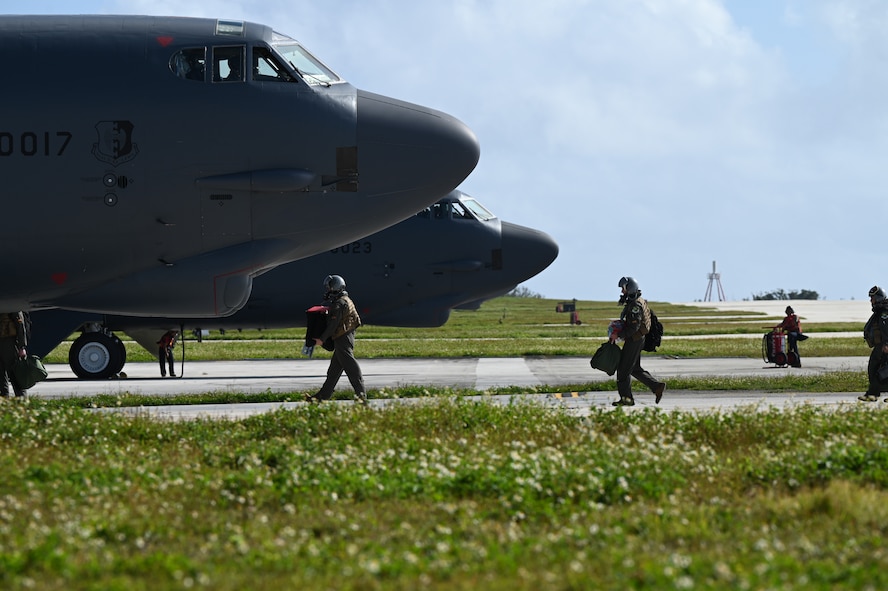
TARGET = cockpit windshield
x,y
311,69
465,208
476,208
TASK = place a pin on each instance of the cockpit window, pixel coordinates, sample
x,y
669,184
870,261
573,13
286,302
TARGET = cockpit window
x,y
450,210
228,64
459,211
308,66
266,67
464,209
478,210
190,63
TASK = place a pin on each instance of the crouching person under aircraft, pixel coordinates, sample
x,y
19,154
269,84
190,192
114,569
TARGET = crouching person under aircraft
x,y
342,322
165,352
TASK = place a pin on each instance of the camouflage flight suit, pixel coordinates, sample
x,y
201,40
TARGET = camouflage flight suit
x,y
13,339
636,319
342,322
875,332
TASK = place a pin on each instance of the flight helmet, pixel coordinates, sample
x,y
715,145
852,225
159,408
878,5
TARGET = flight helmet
x,y
630,284
334,284
877,293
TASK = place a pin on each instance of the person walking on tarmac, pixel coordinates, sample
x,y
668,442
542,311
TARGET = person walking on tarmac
x,y
635,321
793,330
875,332
342,322
13,343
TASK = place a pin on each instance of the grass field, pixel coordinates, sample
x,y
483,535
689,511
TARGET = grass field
x,y
453,493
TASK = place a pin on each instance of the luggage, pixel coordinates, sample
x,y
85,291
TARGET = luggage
x,y
606,358
315,324
774,348
28,371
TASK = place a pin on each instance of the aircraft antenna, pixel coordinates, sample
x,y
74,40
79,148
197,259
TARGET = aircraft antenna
x,y
714,278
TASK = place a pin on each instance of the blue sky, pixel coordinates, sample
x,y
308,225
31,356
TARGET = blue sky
x,y
648,138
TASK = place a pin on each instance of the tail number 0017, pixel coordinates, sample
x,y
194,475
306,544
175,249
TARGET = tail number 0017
x,y
34,143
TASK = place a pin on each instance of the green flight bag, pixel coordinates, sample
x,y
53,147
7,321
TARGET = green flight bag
x,y
606,358
28,371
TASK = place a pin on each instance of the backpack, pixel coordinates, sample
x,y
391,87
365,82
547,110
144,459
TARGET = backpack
x,y
655,335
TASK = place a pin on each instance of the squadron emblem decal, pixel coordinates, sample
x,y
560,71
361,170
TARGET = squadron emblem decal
x,y
115,145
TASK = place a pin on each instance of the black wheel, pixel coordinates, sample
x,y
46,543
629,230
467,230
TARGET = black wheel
x,y
780,358
121,352
95,356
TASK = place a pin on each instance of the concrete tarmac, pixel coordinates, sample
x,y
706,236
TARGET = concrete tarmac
x,y
857,311
300,375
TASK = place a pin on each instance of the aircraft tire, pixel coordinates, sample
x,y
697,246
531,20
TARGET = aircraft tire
x,y
96,356
121,354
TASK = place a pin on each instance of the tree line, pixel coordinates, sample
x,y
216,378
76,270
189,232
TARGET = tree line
x,y
779,294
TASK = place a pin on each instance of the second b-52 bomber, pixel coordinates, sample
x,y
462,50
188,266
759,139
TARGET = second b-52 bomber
x,y
454,254
153,166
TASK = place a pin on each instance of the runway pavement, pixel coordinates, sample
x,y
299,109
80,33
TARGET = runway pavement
x,y
807,310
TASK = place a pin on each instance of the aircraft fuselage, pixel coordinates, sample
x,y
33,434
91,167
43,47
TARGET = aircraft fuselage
x,y
453,254
140,186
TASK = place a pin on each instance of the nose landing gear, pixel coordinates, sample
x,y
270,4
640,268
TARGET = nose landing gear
x,y
97,355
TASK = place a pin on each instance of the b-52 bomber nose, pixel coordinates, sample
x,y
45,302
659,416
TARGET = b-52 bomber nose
x,y
407,151
526,251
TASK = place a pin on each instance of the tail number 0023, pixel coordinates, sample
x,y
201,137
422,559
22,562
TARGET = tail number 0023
x,y
365,247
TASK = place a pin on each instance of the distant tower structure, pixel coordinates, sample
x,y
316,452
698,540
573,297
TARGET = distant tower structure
x,y
714,277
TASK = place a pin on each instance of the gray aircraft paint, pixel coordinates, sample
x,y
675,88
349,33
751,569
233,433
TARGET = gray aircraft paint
x,y
132,188
454,254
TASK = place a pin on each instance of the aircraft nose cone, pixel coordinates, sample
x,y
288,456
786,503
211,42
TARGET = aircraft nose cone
x,y
526,252
410,152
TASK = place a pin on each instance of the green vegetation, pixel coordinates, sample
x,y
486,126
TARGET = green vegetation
x,y
452,492
779,294
447,494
